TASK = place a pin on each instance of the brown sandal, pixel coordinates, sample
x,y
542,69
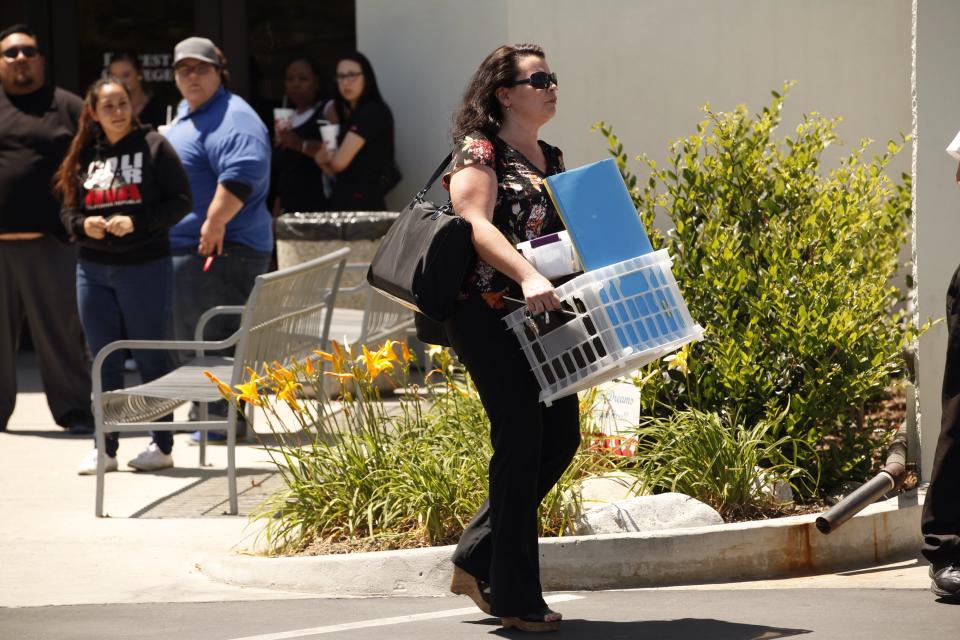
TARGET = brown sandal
x,y
464,584
536,623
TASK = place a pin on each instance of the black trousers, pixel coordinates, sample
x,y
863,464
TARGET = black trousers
x,y
38,285
941,509
532,446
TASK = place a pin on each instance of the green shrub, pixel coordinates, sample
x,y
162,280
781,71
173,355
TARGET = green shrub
x,y
717,460
789,269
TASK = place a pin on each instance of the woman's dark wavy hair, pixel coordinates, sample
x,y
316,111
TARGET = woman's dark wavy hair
x,y
371,92
67,178
480,110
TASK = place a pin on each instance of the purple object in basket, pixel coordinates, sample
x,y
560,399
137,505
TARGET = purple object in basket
x,y
550,238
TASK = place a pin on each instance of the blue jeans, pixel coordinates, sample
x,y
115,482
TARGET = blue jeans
x,y
127,301
229,281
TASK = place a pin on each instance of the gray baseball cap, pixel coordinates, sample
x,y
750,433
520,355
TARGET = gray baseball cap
x,y
197,49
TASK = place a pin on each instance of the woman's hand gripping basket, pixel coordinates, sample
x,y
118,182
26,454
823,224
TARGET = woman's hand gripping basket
x,y
616,319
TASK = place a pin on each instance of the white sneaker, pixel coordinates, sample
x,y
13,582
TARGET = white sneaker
x,y
151,459
88,466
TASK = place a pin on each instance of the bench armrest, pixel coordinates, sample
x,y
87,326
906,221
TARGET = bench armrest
x,y
164,345
212,313
354,267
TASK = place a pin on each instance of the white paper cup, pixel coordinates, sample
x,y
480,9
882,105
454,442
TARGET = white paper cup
x,y
282,119
329,134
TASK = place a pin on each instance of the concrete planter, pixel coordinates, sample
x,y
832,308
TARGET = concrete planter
x,y
740,551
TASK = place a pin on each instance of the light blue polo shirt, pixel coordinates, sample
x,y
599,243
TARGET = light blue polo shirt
x,y
223,140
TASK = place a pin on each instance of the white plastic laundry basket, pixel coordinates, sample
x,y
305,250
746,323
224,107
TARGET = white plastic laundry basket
x,y
625,315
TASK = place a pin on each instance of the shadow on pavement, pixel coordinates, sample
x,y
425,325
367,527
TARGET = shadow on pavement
x,y
897,567
682,629
54,432
208,495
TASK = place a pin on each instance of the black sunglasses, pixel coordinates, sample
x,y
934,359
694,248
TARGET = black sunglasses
x,y
538,80
11,53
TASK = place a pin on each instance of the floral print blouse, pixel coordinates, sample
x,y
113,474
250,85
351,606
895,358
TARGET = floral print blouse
x,y
523,210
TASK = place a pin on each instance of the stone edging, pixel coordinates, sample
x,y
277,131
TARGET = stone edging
x,y
779,547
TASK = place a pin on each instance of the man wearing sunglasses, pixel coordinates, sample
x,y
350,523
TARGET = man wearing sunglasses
x,y
37,264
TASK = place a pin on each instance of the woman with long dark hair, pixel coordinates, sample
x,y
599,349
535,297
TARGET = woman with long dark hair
x,y
496,183
122,187
126,67
297,179
363,164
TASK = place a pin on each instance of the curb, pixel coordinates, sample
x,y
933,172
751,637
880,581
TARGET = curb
x,y
780,547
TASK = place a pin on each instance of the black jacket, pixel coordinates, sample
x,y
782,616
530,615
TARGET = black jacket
x,y
140,177
35,131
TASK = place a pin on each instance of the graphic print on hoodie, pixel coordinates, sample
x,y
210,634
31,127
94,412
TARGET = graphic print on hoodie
x,y
114,181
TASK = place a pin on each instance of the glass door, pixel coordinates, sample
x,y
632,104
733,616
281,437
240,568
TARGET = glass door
x,y
147,28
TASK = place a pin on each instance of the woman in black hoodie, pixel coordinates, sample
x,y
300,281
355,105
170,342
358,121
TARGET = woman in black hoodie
x,y
122,188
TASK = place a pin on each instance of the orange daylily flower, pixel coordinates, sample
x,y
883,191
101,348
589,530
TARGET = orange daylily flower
x,y
249,391
249,394
288,395
376,362
386,351
222,387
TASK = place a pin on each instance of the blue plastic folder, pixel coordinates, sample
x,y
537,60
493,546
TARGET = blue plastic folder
x,y
597,210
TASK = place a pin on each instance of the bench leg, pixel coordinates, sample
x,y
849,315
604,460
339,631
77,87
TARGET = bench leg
x,y
232,461
101,469
204,416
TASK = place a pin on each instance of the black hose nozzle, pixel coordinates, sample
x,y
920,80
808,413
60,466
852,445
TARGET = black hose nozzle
x,y
890,478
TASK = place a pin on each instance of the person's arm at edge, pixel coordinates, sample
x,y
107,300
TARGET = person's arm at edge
x,y
238,159
473,191
224,206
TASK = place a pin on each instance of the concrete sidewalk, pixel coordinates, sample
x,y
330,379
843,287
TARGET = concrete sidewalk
x,y
53,551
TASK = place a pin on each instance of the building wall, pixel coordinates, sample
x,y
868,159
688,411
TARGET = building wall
x,y
423,51
645,67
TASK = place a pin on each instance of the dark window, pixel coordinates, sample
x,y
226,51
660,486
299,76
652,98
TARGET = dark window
x,y
281,30
149,28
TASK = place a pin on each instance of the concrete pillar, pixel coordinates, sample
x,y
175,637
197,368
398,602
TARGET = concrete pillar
x,y
936,197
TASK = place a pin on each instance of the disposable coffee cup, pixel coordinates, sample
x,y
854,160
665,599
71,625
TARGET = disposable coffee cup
x,y
282,119
329,134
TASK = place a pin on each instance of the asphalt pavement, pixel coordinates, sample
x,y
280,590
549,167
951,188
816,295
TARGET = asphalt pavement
x,y
759,614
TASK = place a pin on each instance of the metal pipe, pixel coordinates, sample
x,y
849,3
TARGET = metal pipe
x,y
890,478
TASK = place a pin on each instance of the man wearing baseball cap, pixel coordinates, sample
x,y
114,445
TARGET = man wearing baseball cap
x,y
225,150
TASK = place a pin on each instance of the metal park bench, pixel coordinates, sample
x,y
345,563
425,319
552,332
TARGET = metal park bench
x,y
288,314
380,318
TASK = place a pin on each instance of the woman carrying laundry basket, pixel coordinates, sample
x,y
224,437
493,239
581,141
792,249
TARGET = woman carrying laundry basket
x,y
496,183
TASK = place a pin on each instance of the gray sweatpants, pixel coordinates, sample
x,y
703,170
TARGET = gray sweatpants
x,y
38,284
